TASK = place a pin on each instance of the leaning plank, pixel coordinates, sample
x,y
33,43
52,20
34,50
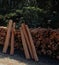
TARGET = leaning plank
x,y
7,37
27,40
32,43
24,45
12,40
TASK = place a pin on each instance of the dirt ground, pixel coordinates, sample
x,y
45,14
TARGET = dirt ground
x,y
6,59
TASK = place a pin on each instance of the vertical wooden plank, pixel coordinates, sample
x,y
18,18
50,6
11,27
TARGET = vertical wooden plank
x,y
24,45
32,44
7,37
27,40
12,40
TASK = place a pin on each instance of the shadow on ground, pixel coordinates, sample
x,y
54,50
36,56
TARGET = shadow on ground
x,y
20,58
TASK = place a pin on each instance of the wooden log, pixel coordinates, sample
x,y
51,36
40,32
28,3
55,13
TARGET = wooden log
x,y
35,57
27,40
24,45
12,40
32,44
7,37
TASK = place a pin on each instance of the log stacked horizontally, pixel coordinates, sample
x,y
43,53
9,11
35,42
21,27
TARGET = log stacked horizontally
x,y
3,31
46,41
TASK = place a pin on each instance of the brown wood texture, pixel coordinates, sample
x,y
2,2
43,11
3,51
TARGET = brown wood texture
x,y
27,55
27,40
30,40
12,40
7,37
32,44
46,41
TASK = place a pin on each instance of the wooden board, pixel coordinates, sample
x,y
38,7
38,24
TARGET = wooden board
x,y
7,37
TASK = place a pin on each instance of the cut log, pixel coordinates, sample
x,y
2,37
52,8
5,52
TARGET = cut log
x,y
12,40
24,45
27,40
32,44
7,37
30,40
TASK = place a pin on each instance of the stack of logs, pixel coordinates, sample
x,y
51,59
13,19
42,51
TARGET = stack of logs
x,y
26,39
3,31
46,41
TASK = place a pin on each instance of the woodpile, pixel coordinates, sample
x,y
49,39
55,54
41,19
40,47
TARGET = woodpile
x,y
3,31
45,41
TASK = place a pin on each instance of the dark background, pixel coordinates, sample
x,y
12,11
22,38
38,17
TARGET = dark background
x,y
35,13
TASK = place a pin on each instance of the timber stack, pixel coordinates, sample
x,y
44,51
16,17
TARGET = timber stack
x,y
41,40
46,41
3,31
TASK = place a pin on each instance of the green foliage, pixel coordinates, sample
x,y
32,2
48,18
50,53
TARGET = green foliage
x,y
30,15
35,13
